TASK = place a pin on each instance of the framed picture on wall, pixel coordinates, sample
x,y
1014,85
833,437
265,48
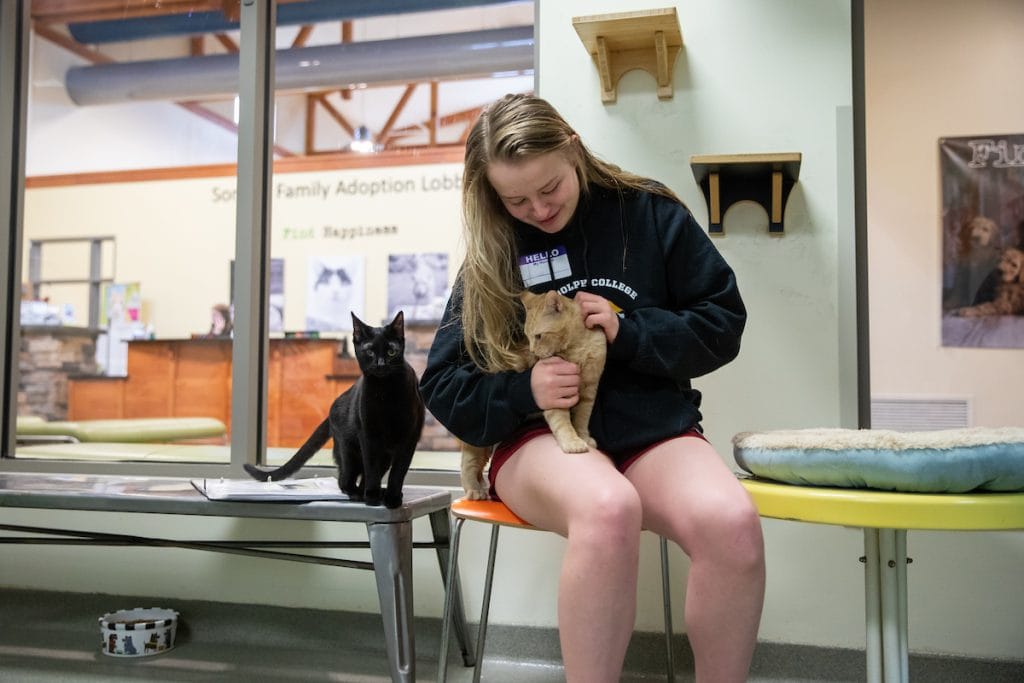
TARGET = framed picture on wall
x,y
417,285
337,288
982,241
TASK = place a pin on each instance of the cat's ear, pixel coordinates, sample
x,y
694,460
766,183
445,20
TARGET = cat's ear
x,y
552,301
398,324
526,296
360,330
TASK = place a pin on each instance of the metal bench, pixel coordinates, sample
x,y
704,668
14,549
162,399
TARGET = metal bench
x,y
389,530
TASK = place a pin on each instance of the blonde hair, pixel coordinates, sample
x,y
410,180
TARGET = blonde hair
x,y
512,129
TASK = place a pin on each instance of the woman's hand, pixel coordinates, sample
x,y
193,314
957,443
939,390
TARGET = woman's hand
x,y
555,383
598,312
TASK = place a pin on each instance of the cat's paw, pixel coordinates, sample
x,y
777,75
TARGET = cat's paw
x,y
475,487
392,500
353,492
573,444
372,497
477,494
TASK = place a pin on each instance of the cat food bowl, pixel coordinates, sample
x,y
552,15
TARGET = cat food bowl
x,y
138,632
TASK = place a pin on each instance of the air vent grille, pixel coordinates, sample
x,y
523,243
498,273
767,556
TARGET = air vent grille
x,y
919,413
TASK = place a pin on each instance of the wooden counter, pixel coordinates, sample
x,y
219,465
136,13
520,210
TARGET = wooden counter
x,y
192,377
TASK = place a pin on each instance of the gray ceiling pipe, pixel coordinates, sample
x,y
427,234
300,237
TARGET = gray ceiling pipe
x,y
402,60
288,14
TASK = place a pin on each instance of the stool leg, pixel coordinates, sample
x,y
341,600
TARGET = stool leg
x,y
449,600
901,583
485,608
666,595
872,606
890,608
441,528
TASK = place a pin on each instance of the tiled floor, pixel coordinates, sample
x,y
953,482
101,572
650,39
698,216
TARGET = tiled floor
x,y
54,638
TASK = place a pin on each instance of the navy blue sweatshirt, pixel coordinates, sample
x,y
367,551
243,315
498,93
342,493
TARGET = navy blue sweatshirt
x,y
681,317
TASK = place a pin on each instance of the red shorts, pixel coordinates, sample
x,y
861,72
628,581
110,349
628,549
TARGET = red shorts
x,y
519,439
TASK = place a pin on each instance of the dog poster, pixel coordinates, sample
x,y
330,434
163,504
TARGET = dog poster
x,y
982,241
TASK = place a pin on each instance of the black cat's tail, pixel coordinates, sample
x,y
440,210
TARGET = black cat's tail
x,y
306,451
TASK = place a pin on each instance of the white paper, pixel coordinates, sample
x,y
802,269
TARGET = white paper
x,y
295,490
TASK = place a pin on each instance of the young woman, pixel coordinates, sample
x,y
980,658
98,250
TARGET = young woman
x,y
542,212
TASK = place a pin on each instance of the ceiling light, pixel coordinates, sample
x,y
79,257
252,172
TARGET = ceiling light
x,y
362,142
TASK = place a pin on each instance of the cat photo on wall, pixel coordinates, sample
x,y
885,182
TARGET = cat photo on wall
x,y
418,285
336,289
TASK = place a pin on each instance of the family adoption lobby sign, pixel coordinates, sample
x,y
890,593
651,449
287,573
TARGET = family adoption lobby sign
x,y
369,194
344,237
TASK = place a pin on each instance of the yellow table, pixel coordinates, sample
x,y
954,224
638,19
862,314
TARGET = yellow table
x,y
885,518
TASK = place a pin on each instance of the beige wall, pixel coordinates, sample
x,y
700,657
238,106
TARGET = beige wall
x,y
176,237
934,69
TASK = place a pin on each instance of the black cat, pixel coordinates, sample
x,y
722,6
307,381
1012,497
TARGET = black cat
x,y
376,423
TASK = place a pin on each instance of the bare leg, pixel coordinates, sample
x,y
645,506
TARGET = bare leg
x,y
582,497
690,496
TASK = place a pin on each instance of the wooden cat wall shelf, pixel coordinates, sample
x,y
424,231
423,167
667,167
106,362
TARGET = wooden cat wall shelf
x,y
648,40
729,178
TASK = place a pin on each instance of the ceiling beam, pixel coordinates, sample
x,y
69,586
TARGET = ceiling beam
x,y
336,115
71,45
396,112
68,11
225,40
302,37
432,126
310,132
75,11
97,57
469,125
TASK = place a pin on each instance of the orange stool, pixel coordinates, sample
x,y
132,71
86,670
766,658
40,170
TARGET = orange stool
x,y
498,515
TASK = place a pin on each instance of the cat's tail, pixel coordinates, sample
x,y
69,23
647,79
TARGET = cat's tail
x,y
306,451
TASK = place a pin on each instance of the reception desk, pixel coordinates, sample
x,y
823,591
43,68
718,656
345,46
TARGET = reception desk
x,y
192,377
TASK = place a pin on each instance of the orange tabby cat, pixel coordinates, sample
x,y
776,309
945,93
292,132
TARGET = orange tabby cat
x,y
554,327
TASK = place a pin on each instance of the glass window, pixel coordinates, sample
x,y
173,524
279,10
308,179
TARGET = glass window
x,y
126,256
131,220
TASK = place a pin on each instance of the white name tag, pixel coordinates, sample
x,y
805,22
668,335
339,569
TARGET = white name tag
x,y
544,266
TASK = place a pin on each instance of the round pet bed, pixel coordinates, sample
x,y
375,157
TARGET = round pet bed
x,y
946,461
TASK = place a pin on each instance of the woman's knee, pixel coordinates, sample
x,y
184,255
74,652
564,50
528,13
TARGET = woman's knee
x,y
730,533
745,522
611,511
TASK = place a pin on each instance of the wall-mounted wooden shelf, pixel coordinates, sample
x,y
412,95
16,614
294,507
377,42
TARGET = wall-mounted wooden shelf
x,y
729,178
648,40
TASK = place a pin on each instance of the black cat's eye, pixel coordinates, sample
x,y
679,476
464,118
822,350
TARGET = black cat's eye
x,y
392,353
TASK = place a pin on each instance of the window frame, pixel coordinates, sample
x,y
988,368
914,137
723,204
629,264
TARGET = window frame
x,y
252,245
